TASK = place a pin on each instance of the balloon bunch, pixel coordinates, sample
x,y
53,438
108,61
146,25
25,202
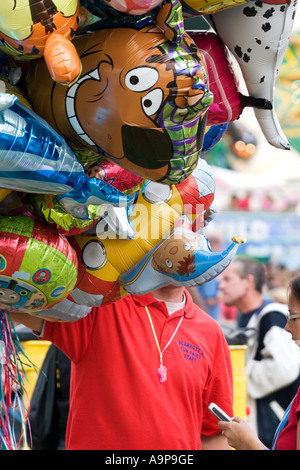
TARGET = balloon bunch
x,y
101,176
106,108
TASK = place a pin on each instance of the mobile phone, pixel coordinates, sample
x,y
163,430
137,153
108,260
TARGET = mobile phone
x,y
218,412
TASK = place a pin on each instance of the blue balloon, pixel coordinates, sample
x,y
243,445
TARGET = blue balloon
x,y
213,136
195,265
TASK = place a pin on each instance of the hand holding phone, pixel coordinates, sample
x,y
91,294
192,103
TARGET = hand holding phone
x,y
218,412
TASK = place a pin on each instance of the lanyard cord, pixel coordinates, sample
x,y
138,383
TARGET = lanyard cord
x,y
155,337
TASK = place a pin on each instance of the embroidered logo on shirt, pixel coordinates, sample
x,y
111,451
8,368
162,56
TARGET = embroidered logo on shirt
x,y
190,351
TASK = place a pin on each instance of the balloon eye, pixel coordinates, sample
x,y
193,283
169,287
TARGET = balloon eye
x,y
141,78
94,255
152,101
169,263
187,246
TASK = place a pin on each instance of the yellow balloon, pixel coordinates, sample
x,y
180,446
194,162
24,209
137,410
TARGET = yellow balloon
x,y
4,193
206,7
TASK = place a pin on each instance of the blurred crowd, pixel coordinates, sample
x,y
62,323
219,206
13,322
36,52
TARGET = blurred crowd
x,y
259,200
209,297
249,300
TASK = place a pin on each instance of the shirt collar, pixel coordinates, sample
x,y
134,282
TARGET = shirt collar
x,y
148,299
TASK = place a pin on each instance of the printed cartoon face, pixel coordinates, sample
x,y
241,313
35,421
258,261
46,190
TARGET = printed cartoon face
x,y
25,25
177,255
140,101
17,294
38,267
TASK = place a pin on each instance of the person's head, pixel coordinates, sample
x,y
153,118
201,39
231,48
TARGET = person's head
x,y
169,293
293,319
242,283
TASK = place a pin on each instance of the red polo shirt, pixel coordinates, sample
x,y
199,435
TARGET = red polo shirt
x,y
287,439
116,398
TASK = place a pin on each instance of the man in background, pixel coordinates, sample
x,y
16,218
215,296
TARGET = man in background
x,y
272,369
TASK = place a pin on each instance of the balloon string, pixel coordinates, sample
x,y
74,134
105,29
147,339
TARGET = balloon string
x,y
13,394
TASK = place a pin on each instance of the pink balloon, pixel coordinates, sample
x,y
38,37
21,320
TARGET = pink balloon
x,y
223,81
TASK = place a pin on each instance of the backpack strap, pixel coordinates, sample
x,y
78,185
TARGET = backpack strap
x,y
273,307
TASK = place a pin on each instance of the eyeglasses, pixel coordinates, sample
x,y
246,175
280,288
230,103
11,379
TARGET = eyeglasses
x,y
292,317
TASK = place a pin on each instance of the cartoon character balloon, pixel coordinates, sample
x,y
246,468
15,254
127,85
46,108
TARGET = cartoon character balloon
x,y
38,267
31,29
168,243
49,207
140,101
136,7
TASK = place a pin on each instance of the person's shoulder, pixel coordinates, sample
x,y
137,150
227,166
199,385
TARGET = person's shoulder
x,y
205,318
273,314
271,306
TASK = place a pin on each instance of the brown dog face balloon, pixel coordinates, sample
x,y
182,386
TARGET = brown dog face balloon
x,y
140,101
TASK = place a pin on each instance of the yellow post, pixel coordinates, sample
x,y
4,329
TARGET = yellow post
x,y
239,380
35,351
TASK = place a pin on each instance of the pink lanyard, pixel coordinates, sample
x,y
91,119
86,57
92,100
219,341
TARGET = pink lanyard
x,y
162,370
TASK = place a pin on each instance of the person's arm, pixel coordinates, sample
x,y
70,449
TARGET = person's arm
x,y
32,322
240,435
216,442
298,434
279,354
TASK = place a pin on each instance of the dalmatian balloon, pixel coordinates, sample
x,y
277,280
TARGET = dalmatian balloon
x,y
257,34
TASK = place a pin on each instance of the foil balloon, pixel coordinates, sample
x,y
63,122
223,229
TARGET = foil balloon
x,y
166,219
229,101
34,158
257,34
213,135
137,7
141,100
4,193
223,78
32,29
193,8
194,263
38,267
49,208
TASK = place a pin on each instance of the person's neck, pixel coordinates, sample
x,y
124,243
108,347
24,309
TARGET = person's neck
x,y
250,302
169,294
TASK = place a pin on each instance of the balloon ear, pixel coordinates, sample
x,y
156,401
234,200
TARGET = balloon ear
x,y
62,59
170,19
